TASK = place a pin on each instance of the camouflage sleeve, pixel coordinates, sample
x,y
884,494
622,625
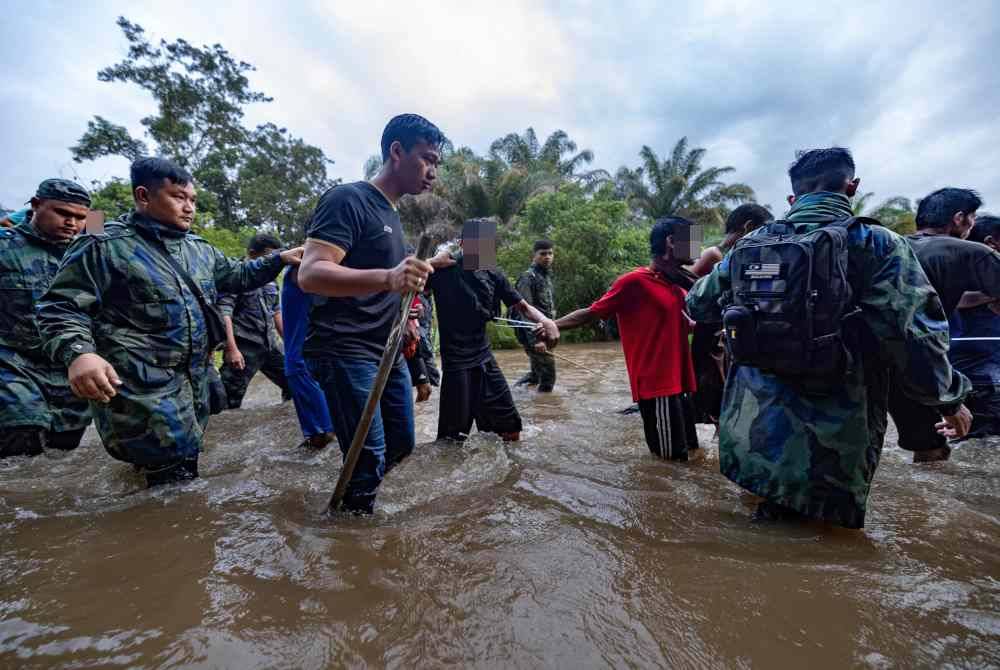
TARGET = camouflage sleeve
x,y
233,276
65,312
703,299
526,288
906,317
226,304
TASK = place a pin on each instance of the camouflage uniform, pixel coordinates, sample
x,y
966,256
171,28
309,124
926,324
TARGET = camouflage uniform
x,y
257,339
535,284
817,454
116,295
33,390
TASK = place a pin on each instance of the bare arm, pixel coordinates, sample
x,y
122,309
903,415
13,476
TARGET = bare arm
x,y
708,260
233,356
279,324
580,317
321,273
546,324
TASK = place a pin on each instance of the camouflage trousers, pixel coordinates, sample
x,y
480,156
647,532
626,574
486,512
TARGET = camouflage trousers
x,y
543,369
270,361
35,392
157,420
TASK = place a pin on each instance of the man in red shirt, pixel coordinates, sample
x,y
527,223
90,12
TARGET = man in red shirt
x,y
649,305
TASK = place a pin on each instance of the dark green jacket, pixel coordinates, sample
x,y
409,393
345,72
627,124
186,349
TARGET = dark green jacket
x,y
535,286
817,454
28,264
117,295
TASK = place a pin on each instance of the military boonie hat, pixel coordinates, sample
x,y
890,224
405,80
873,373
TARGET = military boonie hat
x,y
63,190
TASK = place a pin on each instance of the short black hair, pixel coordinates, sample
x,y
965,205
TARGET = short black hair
x,y
662,229
821,170
150,172
408,129
938,209
987,225
541,245
752,212
261,242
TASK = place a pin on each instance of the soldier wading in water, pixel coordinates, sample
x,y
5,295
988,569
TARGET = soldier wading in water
x,y
804,418
130,315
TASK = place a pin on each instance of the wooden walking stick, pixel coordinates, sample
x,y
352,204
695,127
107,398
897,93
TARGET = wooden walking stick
x,y
392,345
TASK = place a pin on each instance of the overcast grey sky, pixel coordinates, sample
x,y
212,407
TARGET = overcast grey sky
x,y
909,86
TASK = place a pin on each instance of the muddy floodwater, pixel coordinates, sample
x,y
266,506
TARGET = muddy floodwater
x,y
572,549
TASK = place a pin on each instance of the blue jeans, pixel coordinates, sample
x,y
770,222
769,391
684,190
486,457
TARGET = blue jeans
x,y
391,438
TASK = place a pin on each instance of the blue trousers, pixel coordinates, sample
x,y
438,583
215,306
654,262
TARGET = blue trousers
x,y
346,383
310,403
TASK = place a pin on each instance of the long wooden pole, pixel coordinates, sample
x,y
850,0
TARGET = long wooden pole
x,y
389,355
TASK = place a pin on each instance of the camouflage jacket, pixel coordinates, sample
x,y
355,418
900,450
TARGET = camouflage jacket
x,y
28,264
115,294
535,286
817,453
253,313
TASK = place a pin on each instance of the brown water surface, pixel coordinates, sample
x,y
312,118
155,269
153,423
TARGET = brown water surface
x,y
572,549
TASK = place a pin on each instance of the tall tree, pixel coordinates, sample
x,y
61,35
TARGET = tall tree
x,y
280,182
679,186
201,94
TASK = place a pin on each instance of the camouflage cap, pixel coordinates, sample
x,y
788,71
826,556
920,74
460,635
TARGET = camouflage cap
x,y
64,190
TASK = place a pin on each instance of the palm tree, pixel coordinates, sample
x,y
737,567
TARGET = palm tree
x,y
895,213
678,186
524,152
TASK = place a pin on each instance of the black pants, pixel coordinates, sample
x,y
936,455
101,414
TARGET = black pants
x,y
914,422
477,394
31,440
669,425
269,361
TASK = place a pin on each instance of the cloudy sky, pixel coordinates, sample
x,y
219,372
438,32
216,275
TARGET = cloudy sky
x,y
909,86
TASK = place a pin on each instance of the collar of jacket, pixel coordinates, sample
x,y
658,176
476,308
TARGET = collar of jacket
x,y
820,207
28,230
535,267
161,230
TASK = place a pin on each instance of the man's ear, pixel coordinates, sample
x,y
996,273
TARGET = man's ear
x,y
34,202
396,152
791,200
141,195
958,219
852,187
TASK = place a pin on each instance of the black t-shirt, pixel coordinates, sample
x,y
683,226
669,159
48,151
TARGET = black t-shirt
x,y
465,302
955,266
358,219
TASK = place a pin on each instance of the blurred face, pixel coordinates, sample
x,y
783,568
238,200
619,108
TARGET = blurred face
x,y
416,169
963,225
258,254
171,204
545,257
58,220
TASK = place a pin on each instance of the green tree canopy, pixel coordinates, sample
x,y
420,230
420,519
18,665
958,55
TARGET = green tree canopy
x,y
594,237
258,177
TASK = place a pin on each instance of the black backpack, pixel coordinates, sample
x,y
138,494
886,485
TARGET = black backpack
x,y
790,301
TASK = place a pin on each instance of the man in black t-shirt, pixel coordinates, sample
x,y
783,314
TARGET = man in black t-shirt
x,y
355,259
953,266
473,387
